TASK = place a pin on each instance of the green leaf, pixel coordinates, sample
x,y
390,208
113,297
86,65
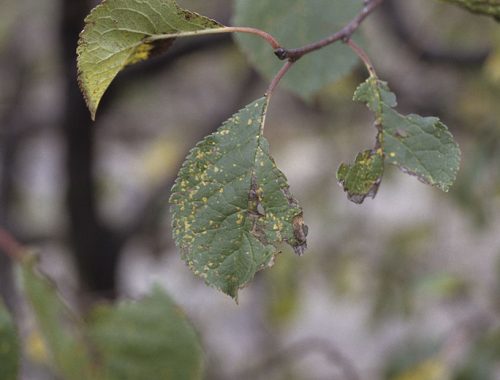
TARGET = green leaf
x,y
486,7
9,346
296,23
362,179
231,205
61,330
148,339
122,32
419,146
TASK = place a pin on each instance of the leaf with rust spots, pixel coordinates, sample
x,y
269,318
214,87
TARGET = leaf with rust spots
x,y
362,179
118,33
231,205
419,146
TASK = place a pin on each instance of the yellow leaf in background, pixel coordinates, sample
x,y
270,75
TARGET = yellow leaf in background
x,y
36,348
492,66
431,369
162,159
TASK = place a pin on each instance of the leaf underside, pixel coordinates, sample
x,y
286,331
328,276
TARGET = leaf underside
x,y
420,146
297,23
118,33
231,205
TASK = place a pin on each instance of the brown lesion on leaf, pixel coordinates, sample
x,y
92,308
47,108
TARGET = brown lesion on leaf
x,y
300,231
256,211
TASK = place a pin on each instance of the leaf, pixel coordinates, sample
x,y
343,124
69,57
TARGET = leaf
x,y
486,7
9,346
61,331
123,32
231,205
362,179
419,146
296,23
148,339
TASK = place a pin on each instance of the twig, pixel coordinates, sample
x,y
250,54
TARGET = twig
x,y
363,56
278,78
299,350
344,34
227,29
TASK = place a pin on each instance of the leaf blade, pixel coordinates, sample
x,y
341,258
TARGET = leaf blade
x,y
147,339
119,33
297,23
231,206
9,346
420,146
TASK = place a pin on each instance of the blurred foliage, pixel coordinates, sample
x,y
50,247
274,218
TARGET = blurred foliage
x,y
9,346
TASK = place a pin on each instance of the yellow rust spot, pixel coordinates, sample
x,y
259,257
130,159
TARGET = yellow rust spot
x,y
140,54
392,154
240,218
250,121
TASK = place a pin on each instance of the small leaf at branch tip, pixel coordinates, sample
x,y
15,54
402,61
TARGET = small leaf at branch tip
x,y
363,178
231,206
119,33
419,146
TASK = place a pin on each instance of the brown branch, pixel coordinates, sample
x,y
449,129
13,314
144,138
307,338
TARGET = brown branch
x,y
344,34
363,56
278,78
10,246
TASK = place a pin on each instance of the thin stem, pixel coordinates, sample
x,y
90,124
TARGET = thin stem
x,y
227,29
344,34
363,56
278,78
10,246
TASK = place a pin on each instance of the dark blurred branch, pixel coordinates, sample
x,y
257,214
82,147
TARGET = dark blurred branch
x,y
300,350
95,248
402,30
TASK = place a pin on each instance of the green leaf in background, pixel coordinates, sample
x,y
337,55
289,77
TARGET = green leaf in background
x,y
147,339
419,146
487,7
296,23
122,32
61,330
231,205
9,346
362,179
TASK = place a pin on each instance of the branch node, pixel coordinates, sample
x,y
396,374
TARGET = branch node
x,y
281,53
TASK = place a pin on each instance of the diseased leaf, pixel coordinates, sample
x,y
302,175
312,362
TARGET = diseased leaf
x,y
122,32
487,7
61,331
420,146
148,339
231,205
9,346
362,179
296,23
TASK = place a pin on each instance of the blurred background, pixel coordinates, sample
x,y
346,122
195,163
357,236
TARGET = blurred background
x,y
403,287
